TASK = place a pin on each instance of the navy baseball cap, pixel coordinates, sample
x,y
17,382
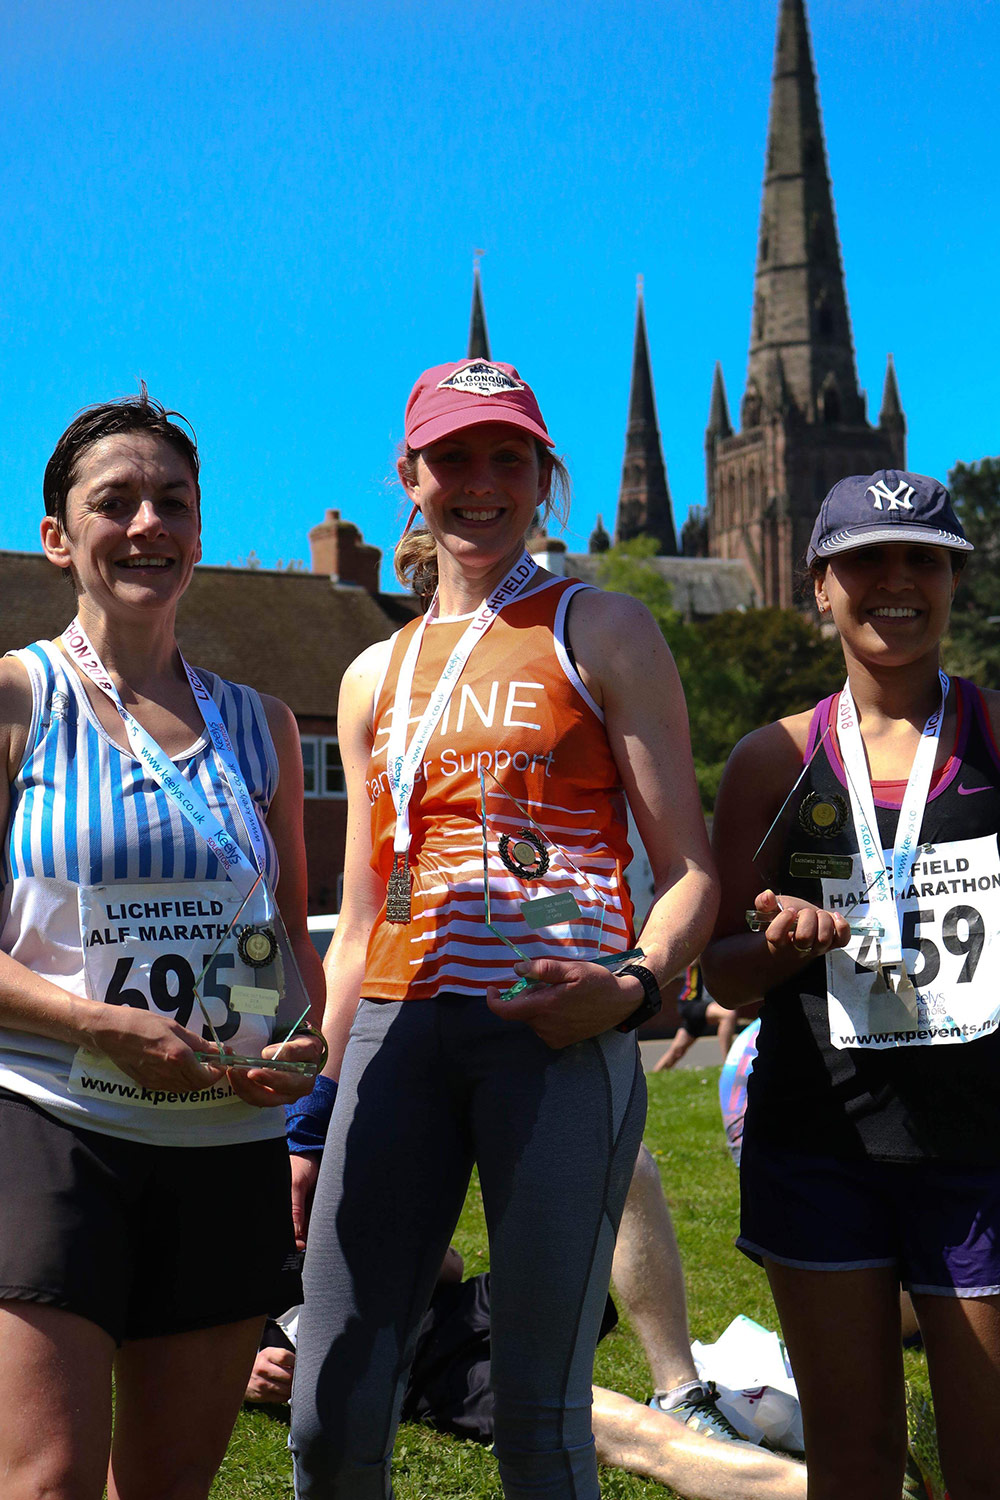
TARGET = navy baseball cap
x,y
865,510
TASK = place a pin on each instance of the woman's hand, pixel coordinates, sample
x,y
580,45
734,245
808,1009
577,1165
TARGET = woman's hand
x,y
265,1087
305,1172
576,1001
810,931
152,1049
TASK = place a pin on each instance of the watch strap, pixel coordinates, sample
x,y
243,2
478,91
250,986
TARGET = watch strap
x,y
651,1001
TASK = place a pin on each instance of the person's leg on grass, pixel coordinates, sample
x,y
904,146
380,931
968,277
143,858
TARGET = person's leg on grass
x,y
962,1340
842,1333
55,1400
557,1134
395,1172
649,1280
633,1437
176,1402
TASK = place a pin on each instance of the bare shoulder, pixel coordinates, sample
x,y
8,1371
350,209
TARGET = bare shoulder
x,y
280,719
762,768
15,711
991,700
614,637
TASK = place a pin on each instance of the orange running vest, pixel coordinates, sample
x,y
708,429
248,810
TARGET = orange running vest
x,y
521,710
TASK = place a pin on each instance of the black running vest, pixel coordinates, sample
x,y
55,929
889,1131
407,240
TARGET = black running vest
x,y
905,1103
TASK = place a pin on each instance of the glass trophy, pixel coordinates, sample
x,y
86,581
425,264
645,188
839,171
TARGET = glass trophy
x,y
540,899
247,986
822,818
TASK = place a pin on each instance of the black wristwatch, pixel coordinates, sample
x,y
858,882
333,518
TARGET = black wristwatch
x,y
650,1003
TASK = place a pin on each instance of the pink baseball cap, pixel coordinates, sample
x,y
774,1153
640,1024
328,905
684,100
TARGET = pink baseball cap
x,y
466,394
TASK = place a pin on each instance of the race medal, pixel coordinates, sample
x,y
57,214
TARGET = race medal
x,y
524,854
257,946
821,816
398,905
818,866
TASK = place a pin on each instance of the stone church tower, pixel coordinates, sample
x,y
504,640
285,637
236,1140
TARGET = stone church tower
x,y
803,423
644,507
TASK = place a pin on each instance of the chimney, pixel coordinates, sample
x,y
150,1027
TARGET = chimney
x,y
339,550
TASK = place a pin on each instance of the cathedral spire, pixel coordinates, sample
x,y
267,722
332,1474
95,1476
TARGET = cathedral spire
x,y
479,339
719,424
800,304
644,507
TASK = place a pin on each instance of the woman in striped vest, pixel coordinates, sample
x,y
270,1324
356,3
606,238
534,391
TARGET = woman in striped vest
x,y
146,1224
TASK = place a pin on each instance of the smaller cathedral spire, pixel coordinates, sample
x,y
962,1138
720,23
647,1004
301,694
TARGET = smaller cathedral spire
x,y
479,339
719,424
644,507
892,407
599,539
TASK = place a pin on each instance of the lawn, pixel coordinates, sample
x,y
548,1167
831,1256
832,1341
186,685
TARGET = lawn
x,y
684,1133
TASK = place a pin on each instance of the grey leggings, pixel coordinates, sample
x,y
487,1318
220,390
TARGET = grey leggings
x,y
429,1087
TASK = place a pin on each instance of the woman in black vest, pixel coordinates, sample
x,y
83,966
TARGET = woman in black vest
x,y
871,1153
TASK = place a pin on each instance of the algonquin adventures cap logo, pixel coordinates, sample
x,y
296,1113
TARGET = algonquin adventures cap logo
x,y
481,379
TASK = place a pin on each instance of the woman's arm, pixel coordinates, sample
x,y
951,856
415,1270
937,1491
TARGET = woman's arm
x,y
364,892
628,668
741,966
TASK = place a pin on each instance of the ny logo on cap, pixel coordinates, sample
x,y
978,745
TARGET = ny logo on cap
x,y
899,498
480,379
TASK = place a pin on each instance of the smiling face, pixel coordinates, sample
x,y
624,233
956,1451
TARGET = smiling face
x,y
133,524
890,602
477,492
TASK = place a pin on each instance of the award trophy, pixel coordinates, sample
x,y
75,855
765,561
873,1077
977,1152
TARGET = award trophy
x,y
822,818
532,884
248,986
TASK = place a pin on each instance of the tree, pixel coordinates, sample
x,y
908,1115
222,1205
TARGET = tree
x,y
740,670
973,644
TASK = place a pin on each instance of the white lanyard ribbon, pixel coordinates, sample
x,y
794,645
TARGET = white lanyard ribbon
x,y
402,760
183,794
882,894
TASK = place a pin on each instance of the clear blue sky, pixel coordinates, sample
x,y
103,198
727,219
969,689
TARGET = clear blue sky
x,y
269,213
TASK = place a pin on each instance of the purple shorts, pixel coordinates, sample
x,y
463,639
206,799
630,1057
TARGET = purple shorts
x,y
937,1224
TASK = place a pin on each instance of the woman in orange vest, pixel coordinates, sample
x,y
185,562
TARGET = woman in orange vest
x,y
499,732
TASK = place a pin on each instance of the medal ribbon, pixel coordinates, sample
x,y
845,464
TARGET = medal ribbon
x,y
402,760
185,797
882,894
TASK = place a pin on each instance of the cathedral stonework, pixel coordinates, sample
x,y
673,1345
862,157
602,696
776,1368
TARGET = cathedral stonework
x,y
802,419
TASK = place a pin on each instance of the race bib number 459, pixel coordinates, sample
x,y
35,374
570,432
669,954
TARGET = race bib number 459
x,y
950,922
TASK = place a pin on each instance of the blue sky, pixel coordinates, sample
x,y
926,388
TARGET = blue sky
x,y
269,213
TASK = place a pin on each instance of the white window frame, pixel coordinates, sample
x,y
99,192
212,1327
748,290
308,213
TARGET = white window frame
x,y
319,744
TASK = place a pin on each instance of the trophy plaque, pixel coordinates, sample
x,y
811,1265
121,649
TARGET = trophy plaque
x,y
540,898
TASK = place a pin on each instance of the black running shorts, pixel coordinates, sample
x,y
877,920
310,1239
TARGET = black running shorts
x,y
142,1240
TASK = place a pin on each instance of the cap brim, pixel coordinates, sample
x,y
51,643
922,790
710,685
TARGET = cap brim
x,y
873,536
436,428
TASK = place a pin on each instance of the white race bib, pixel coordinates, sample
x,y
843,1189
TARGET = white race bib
x,y
145,945
950,927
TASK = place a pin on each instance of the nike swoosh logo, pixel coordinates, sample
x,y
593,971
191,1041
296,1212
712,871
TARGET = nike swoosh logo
x,y
967,791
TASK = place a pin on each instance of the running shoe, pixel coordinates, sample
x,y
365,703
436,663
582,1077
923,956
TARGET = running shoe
x,y
915,1486
698,1410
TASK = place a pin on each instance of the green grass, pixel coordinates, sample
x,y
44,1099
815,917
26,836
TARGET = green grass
x,y
684,1133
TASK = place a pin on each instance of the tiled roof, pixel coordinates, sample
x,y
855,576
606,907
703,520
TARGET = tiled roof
x,y
702,586
290,634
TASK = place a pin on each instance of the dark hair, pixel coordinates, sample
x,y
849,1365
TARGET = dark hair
x,y
128,414
415,557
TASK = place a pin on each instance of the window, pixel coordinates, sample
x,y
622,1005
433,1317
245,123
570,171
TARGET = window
x,y
322,766
333,770
309,749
